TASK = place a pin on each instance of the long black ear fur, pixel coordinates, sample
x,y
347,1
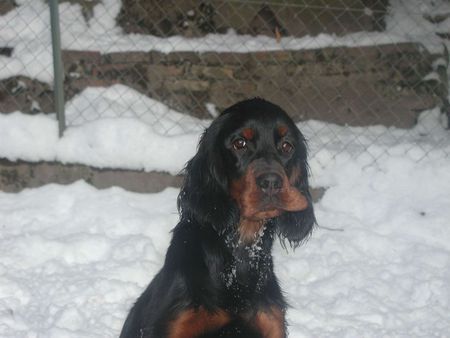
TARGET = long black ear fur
x,y
203,196
295,227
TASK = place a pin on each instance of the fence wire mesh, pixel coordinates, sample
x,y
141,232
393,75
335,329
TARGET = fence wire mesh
x,y
351,71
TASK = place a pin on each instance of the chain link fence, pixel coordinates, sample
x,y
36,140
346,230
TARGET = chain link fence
x,y
349,71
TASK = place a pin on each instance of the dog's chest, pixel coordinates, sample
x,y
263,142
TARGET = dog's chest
x,y
245,275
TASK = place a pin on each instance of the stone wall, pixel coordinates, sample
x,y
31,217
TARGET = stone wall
x,y
6,6
354,86
357,86
16,176
193,18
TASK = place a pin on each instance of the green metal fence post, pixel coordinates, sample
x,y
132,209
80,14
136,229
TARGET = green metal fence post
x,y
57,66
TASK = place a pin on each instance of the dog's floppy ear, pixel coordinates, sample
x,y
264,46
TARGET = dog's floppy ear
x,y
203,196
296,226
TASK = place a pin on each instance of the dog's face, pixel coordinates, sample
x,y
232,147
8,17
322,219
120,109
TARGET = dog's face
x,y
251,168
265,170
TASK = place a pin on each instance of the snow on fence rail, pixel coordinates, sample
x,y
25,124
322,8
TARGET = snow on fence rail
x,y
175,65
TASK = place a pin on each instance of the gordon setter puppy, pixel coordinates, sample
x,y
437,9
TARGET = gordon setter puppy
x,y
247,183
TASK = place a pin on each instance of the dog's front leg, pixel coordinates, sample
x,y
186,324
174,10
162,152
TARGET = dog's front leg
x,y
191,323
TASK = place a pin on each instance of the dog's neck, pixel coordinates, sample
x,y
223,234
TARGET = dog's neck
x,y
251,231
251,259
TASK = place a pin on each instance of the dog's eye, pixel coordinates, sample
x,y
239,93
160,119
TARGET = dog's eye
x,y
240,144
286,147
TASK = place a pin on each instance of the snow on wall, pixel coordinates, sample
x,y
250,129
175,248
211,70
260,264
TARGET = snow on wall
x,y
26,29
133,139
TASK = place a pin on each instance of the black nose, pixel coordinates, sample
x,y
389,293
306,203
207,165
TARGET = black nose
x,y
269,183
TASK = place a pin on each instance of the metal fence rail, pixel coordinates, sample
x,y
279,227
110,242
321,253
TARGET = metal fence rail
x,y
354,63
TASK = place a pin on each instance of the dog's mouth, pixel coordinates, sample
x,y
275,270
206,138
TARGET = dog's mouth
x,y
265,194
273,205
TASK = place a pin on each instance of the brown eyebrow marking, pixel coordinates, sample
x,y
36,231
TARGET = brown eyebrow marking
x,y
248,133
282,130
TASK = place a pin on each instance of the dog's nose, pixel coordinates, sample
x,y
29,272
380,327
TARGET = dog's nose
x,y
270,183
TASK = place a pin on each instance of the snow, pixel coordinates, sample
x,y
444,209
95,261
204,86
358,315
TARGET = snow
x,y
117,127
386,273
408,18
74,258
129,121
26,29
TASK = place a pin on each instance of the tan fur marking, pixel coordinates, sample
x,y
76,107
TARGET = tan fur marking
x,y
292,199
248,133
249,229
282,130
295,176
248,198
193,322
246,193
270,323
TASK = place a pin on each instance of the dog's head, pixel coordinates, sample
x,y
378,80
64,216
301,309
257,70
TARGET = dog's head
x,y
250,170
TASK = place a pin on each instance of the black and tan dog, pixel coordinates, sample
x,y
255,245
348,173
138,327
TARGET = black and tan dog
x,y
247,184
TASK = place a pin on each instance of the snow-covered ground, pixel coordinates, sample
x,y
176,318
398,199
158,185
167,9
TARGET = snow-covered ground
x,y
74,258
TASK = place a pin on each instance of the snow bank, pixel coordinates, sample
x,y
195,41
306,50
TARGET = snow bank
x,y
72,257
117,127
383,273
135,132
75,258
